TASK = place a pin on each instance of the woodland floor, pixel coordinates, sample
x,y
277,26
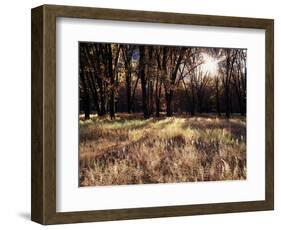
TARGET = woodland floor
x,y
131,150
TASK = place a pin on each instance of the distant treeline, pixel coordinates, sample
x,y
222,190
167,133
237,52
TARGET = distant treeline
x,y
155,79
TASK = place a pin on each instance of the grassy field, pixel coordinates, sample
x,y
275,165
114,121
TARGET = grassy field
x,y
131,150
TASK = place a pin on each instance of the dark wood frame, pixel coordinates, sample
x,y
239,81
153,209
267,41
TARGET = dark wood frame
x,y
43,189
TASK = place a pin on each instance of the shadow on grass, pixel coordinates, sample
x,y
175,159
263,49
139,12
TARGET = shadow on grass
x,y
236,129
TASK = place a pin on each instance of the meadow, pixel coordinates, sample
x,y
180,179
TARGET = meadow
x,y
133,150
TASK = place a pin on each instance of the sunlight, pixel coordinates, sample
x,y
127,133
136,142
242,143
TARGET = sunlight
x,y
210,65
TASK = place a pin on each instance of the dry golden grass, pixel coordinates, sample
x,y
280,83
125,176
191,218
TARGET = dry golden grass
x,y
130,150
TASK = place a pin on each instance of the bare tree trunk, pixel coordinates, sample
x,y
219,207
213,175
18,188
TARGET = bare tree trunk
x,y
151,109
94,94
229,70
128,91
102,104
200,102
227,103
133,95
142,66
112,106
86,106
112,83
169,96
172,79
157,100
218,98
85,96
193,101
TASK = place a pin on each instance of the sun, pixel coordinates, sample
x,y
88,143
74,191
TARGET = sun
x,y
209,65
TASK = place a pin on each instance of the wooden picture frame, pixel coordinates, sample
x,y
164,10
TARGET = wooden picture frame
x,y
43,208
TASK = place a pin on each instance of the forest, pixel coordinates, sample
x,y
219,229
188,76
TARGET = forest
x,y
144,108
161,79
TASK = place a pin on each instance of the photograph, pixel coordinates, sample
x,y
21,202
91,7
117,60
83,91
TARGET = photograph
x,y
161,114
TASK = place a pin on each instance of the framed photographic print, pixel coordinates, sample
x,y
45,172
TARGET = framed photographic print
x,y
140,114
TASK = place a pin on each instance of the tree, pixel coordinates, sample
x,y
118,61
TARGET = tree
x,y
227,72
200,81
84,92
175,56
91,71
99,66
111,54
239,80
152,79
217,89
143,77
127,53
187,75
161,65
